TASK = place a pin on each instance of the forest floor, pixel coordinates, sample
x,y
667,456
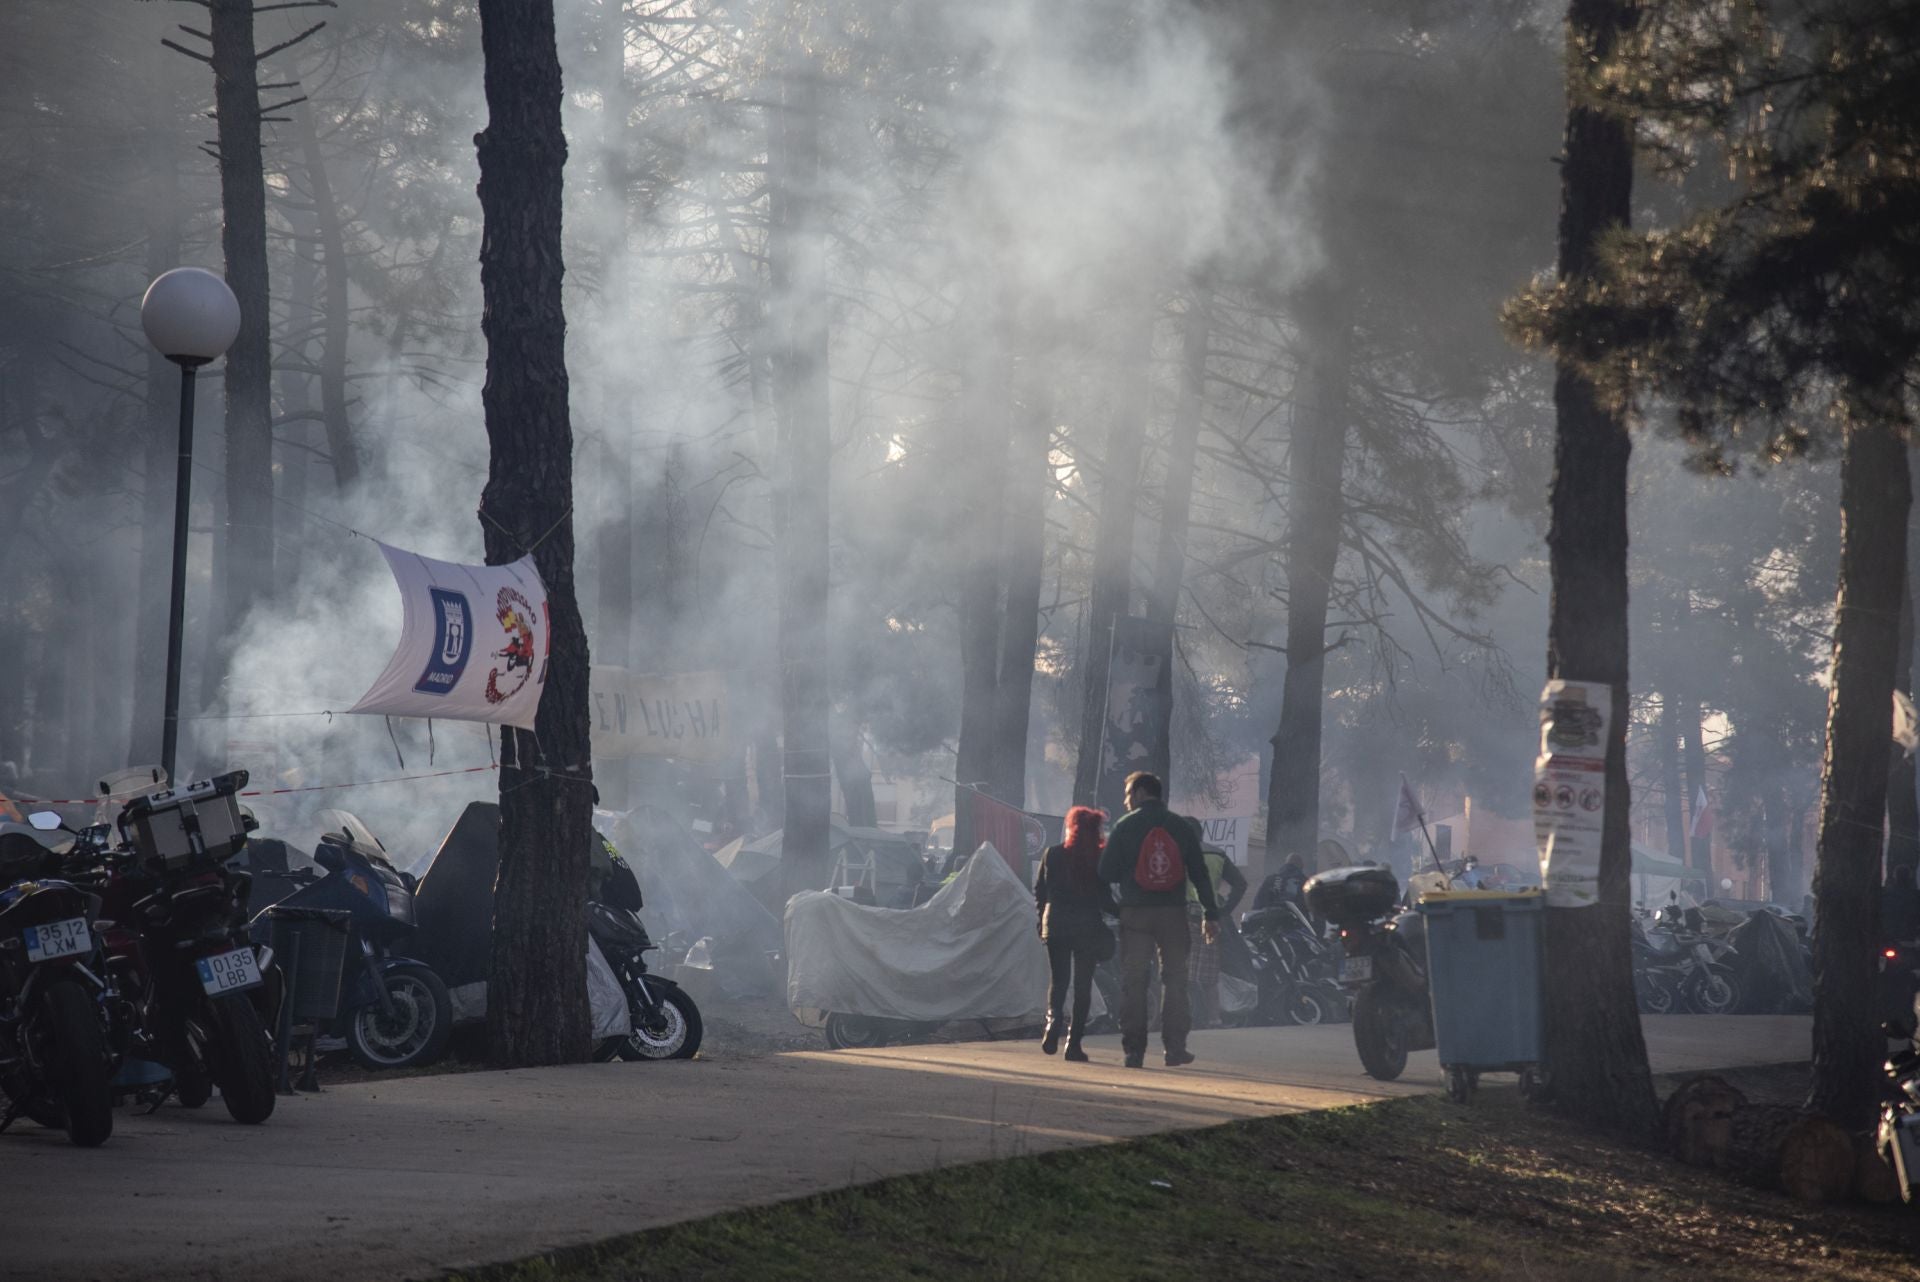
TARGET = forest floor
x,y
1408,1189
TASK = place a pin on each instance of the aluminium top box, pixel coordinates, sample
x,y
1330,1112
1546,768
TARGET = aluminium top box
x,y
199,821
1483,968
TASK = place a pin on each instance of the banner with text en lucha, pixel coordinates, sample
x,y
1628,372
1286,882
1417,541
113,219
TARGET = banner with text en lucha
x,y
473,646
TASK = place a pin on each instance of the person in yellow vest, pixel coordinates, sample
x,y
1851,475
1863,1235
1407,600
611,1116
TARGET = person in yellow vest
x,y
1229,888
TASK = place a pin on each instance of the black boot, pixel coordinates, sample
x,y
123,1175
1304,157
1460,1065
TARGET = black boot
x,y
1051,1042
1074,1053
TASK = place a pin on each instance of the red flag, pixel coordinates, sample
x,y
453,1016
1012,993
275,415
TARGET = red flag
x,y
1702,815
1005,827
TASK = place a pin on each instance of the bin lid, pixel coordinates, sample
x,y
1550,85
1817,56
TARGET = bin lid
x,y
1436,897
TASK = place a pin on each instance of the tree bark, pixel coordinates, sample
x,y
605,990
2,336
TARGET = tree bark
x,y
856,779
1113,548
1027,487
296,388
1875,496
797,266
244,556
614,553
537,1003
1693,759
1670,786
1176,498
335,316
1903,784
980,463
1315,473
1595,1049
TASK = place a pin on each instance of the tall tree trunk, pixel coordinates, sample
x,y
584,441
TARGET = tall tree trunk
x,y
980,461
1875,496
1595,1049
296,389
1113,546
1315,472
856,779
1028,484
797,250
335,317
537,1003
1176,498
1673,804
152,591
244,557
615,535
1903,784
1775,820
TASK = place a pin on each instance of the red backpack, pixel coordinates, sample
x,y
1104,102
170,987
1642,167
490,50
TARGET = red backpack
x,y
1159,867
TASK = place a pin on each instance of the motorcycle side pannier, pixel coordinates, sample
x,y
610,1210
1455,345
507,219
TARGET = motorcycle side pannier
x,y
1352,896
201,820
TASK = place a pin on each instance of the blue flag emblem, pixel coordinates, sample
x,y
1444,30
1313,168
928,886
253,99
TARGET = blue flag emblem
x,y
453,634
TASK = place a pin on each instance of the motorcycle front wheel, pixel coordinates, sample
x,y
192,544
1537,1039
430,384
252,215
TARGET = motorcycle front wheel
x,y
1380,1034
417,1031
674,1032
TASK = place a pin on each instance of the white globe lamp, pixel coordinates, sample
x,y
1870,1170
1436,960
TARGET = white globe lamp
x,y
190,315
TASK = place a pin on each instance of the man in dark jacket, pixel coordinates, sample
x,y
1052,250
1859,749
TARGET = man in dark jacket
x,y
1151,856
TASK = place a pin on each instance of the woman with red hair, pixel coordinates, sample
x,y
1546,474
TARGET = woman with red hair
x,y
1072,899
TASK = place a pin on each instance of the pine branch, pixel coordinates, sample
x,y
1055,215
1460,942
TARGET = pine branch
x,y
197,57
284,45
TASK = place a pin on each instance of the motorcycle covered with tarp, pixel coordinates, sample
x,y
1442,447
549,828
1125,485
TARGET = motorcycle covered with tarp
x,y
869,976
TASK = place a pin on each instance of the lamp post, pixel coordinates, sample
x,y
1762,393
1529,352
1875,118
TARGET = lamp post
x,y
191,316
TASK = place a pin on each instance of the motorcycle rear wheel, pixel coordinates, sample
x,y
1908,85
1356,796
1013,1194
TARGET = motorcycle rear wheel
x,y
84,1073
854,1032
1380,1034
1715,992
240,1057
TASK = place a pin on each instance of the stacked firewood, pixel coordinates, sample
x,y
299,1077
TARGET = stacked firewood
x,y
1710,1122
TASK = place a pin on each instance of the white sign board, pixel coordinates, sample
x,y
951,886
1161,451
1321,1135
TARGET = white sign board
x,y
1570,789
684,716
473,646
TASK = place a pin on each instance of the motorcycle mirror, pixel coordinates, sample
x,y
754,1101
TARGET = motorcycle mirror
x,y
329,856
44,820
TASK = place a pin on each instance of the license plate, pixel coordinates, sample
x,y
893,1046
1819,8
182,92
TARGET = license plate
x,y
224,972
1356,970
58,939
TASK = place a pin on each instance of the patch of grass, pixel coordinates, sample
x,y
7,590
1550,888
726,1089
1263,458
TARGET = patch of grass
x,y
1413,1189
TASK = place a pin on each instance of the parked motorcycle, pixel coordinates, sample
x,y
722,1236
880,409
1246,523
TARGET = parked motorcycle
x,y
666,1022
1383,963
57,1003
1293,969
1898,1138
1678,964
178,947
394,1010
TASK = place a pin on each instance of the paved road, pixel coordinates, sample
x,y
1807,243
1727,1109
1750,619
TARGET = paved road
x,y
406,1178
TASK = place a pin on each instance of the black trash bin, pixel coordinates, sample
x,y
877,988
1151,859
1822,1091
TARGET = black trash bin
x,y
310,948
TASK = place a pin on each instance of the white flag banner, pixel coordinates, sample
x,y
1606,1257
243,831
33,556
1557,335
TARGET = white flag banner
x,y
1906,722
1570,789
473,646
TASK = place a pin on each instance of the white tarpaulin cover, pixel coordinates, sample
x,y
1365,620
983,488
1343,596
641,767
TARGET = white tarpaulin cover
x,y
473,646
605,998
970,952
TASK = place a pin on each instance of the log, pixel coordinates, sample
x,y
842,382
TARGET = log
x,y
1873,1177
1698,1119
1773,1146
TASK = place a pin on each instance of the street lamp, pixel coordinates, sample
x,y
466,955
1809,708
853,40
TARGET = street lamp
x,y
191,316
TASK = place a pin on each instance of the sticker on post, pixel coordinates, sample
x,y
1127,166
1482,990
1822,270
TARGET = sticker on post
x,y
1570,789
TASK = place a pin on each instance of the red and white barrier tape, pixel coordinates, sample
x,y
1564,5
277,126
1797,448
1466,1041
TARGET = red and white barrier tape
x,y
278,792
